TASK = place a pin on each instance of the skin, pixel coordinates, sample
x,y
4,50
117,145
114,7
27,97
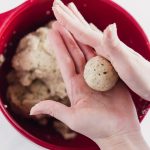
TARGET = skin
x,y
113,107
108,45
108,118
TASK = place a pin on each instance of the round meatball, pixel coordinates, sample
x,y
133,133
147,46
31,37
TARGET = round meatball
x,y
99,74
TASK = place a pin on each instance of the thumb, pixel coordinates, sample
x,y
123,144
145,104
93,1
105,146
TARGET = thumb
x,y
112,43
116,49
54,109
128,63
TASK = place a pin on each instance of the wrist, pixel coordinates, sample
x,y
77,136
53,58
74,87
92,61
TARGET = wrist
x,y
127,141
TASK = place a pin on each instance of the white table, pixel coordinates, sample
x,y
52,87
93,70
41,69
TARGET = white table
x,y
10,139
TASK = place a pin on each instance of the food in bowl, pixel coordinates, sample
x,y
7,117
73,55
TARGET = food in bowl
x,y
35,77
33,14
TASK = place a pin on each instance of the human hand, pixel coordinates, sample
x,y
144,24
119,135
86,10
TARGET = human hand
x,y
132,68
97,115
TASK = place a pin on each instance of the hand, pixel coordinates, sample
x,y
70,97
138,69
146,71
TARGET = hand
x,y
132,68
96,115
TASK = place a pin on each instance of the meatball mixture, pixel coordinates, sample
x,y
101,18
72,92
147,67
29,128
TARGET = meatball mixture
x,y
36,76
34,59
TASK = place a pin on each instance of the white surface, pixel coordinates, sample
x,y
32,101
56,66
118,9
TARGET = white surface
x,y
6,5
11,139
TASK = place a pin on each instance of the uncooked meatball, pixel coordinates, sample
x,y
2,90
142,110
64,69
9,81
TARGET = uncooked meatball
x,y
99,74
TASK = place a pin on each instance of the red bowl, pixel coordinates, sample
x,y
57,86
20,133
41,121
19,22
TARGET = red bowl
x,y
35,13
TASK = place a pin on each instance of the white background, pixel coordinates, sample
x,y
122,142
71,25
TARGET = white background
x,y
10,139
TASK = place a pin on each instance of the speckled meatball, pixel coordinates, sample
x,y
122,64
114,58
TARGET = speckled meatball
x,y
99,74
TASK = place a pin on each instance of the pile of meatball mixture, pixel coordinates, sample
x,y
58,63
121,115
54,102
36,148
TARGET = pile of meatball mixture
x,y
35,77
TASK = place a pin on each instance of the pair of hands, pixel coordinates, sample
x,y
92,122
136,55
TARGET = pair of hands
x,y
97,115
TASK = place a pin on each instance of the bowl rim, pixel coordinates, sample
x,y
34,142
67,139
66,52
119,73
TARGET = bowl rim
x,y
13,14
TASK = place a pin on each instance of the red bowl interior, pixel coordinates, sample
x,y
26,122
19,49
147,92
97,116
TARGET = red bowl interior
x,y
34,14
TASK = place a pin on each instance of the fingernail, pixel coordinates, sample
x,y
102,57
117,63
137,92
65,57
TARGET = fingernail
x,y
56,1
56,8
34,111
31,112
114,31
72,4
114,27
114,24
92,25
110,28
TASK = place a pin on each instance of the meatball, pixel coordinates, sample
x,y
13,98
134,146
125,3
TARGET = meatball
x,y
99,74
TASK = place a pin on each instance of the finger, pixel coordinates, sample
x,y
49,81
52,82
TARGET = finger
x,y
96,29
126,62
74,9
64,60
88,51
73,48
114,42
54,109
82,34
65,8
115,47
